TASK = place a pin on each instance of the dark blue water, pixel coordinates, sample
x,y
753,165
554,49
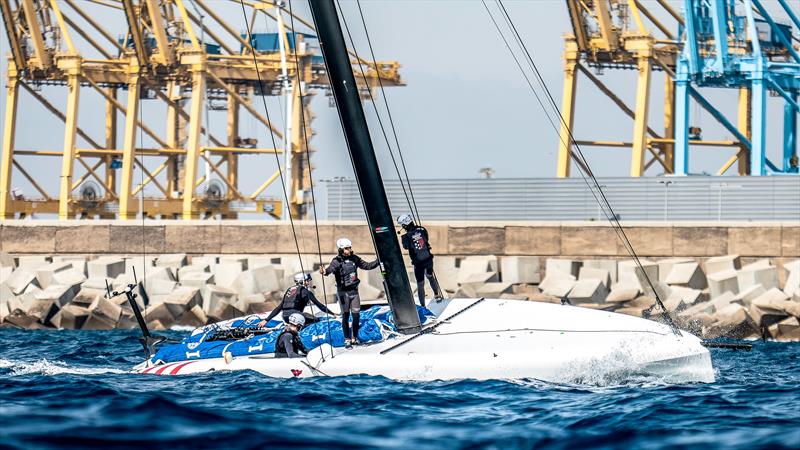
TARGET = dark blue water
x,y
72,389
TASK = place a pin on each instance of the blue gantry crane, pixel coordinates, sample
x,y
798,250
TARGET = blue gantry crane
x,y
737,44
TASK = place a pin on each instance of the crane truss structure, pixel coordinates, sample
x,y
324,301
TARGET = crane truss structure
x,y
613,34
179,52
737,44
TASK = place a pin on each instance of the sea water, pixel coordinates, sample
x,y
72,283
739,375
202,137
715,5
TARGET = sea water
x,y
73,389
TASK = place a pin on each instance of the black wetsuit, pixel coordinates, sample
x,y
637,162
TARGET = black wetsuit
x,y
345,271
419,250
289,345
294,301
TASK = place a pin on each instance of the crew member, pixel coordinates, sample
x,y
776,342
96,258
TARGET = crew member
x,y
295,300
289,344
415,240
344,268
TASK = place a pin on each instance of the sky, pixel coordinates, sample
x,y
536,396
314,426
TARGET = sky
x,y
466,105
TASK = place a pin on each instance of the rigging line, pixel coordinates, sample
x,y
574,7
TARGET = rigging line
x,y
375,107
141,200
614,218
521,69
272,135
310,174
414,211
355,173
618,229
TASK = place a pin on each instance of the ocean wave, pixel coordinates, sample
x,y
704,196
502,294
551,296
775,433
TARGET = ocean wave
x,y
51,368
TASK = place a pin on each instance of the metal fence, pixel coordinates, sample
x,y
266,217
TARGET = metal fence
x,y
663,198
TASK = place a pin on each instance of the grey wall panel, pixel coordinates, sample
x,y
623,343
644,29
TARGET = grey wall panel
x,y
690,198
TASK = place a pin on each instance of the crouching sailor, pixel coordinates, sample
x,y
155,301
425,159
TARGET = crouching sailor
x,y
344,268
415,240
295,300
289,344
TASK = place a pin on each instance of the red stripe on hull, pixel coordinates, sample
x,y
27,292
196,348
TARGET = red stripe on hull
x,y
181,366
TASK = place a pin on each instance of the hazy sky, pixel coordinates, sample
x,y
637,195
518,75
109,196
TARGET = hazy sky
x,y
465,106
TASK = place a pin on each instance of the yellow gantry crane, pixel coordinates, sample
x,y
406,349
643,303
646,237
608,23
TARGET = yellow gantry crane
x,y
179,52
613,34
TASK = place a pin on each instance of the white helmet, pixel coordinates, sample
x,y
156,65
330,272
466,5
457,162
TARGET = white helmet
x,y
343,243
301,277
405,220
297,319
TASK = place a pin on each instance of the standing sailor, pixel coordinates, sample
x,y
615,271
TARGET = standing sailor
x,y
288,344
344,268
296,299
415,240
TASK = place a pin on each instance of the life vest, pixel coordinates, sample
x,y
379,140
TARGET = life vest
x,y
297,345
291,299
419,245
348,274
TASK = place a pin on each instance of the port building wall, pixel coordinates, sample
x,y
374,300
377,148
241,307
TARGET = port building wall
x,y
692,198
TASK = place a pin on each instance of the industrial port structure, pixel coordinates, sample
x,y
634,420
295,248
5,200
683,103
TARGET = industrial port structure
x,y
179,52
184,54
733,44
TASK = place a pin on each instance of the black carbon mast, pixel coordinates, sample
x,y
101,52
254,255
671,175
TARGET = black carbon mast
x,y
365,165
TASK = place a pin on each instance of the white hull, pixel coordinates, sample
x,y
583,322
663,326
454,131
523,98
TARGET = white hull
x,y
500,339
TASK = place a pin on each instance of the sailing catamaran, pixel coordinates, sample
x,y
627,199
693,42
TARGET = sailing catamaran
x,y
453,338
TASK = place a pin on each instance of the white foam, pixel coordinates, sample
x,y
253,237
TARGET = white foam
x,y
183,328
46,367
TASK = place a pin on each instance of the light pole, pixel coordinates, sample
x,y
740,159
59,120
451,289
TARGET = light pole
x,y
666,184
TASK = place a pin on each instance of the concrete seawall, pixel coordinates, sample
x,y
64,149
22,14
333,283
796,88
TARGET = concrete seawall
x,y
778,240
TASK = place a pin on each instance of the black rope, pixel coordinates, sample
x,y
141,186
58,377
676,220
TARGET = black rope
x,y
311,178
375,106
272,136
610,215
414,211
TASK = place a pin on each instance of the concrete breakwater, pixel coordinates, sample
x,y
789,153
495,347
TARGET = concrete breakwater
x,y
718,296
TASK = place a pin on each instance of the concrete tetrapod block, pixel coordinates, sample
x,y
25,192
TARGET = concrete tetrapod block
x,y
558,287
596,274
787,330
588,290
565,266
482,263
182,300
368,292
194,317
665,267
609,265
141,264
78,262
719,302
623,292
748,295
681,298
32,262
20,279
5,272
792,286
722,282
214,295
173,261
70,317
186,270
225,273
475,277
224,311
205,260
159,312
44,274
197,279
106,267
105,309
519,269
493,290
686,275
86,297
263,279
722,264
629,272
766,276
731,321
160,287
254,262
69,277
